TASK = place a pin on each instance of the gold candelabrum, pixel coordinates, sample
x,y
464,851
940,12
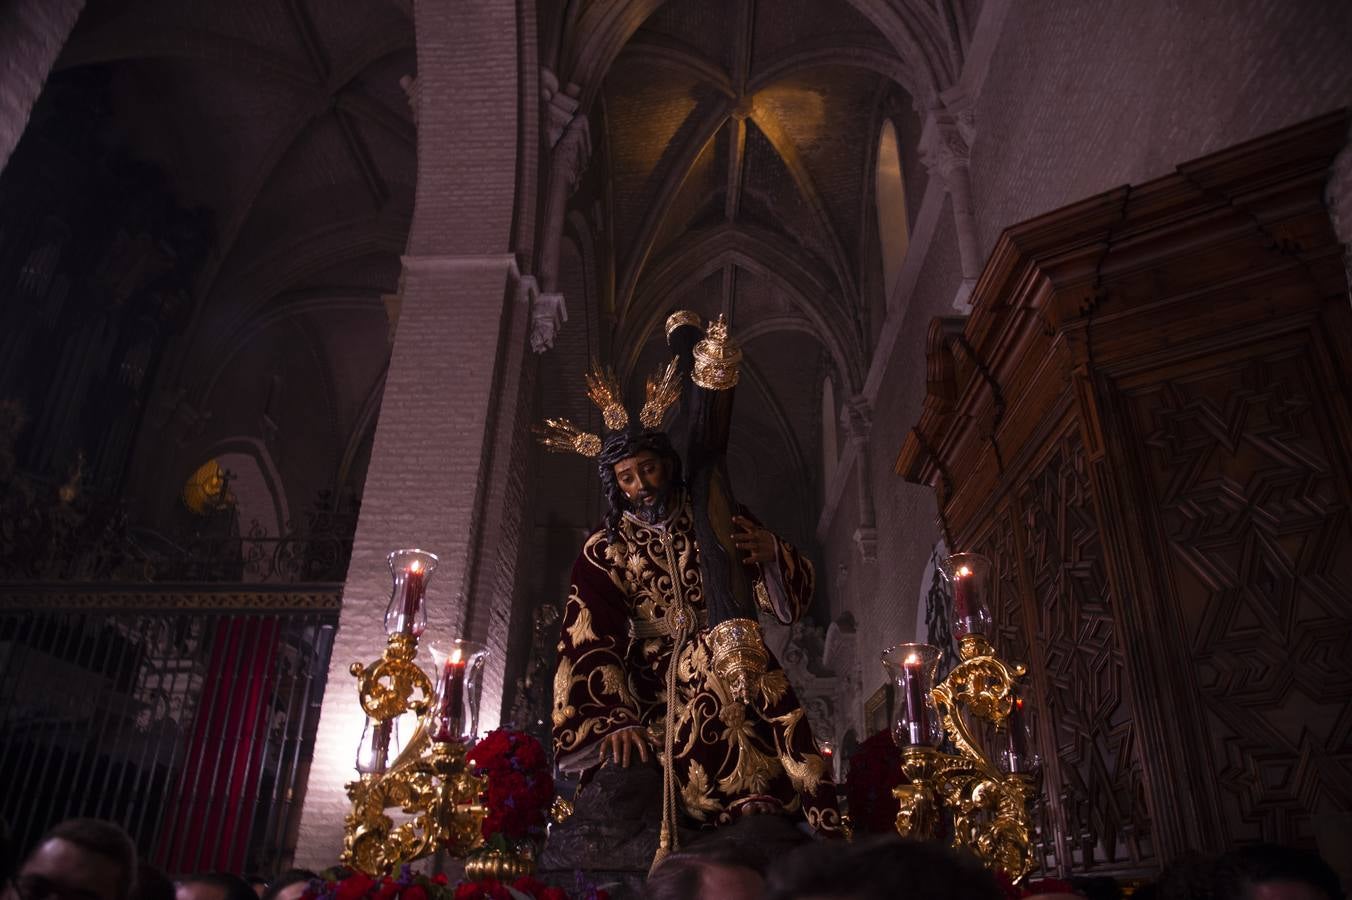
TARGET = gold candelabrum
x,y
986,796
427,783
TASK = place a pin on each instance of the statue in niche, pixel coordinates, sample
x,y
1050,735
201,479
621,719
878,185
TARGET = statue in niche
x,y
641,603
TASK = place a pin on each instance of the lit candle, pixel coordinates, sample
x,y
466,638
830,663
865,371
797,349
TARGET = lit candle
x,y
915,701
414,585
964,587
380,745
451,690
1018,736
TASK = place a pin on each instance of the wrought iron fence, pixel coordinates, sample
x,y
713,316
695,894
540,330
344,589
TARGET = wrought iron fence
x,y
187,714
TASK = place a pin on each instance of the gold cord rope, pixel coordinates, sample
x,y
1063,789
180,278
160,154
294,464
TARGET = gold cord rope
x,y
669,840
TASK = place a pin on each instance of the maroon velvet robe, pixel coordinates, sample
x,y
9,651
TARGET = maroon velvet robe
x,y
614,652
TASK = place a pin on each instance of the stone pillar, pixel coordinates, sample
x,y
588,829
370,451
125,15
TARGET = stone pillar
x,y
32,33
447,463
945,152
856,420
570,149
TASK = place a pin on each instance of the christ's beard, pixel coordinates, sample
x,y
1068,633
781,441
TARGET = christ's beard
x,y
654,512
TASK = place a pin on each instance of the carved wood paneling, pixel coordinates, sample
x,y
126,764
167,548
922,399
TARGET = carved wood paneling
x,y
1257,536
1171,384
1096,779
1009,613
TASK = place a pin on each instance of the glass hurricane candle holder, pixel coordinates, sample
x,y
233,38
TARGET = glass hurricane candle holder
x,y
458,666
912,667
968,577
407,612
1016,752
379,747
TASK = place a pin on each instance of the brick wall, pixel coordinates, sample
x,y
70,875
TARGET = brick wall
x,y
445,471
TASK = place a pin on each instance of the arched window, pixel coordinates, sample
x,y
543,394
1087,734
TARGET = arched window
x,y
894,234
829,449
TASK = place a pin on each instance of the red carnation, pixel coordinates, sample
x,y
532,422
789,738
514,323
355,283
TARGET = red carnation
x,y
354,886
476,890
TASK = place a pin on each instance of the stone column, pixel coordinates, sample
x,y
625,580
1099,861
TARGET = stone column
x,y
945,152
570,150
32,33
856,420
447,461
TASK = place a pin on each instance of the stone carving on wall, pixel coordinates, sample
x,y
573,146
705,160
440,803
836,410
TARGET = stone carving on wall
x,y
799,648
569,135
547,315
560,104
533,699
945,151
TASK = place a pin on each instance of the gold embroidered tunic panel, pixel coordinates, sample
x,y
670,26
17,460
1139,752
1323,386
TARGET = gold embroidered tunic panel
x,y
615,647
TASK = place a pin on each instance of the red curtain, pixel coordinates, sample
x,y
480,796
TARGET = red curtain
x,y
208,819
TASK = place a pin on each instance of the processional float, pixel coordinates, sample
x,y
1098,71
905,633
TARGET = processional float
x,y
954,784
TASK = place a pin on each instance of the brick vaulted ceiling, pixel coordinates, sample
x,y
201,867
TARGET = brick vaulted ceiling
x,y
286,120
739,143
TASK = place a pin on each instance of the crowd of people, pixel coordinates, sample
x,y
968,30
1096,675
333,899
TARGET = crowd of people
x,y
882,868
89,859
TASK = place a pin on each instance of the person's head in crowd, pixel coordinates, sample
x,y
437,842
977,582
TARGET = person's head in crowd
x,y
1272,872
290,885
1051,889
215,886
152,884
880,869
1255,872
1097,887
727,870
79,859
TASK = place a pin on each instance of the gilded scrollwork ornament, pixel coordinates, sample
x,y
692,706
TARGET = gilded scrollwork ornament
x,y
429,783
435,789
989,808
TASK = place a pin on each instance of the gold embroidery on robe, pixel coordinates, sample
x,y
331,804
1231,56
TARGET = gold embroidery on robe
x,y
722,752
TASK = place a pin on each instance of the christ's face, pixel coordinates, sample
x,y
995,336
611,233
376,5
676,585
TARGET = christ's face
x,y
645,478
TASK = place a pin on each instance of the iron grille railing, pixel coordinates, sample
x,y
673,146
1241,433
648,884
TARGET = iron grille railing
x,y
185,713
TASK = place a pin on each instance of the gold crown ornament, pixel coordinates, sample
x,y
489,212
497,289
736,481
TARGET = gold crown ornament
x,y
718,358
662,390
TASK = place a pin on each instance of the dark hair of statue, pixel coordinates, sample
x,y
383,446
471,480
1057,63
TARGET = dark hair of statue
x,y
621,446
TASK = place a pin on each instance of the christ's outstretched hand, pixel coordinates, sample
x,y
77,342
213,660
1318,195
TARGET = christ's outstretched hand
x,y
756,542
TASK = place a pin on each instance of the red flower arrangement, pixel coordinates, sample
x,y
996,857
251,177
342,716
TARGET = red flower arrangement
x,y
488,889
340,883
874,769
520,787
343,884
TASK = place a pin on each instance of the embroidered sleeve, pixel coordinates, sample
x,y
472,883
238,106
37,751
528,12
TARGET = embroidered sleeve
x,y
783,588
593,695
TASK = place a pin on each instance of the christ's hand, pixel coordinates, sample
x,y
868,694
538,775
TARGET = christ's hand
x,y
622,744
755,541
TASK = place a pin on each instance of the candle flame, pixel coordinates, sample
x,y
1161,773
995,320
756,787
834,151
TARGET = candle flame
x,y
415,566
963,572
455,656
912,660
